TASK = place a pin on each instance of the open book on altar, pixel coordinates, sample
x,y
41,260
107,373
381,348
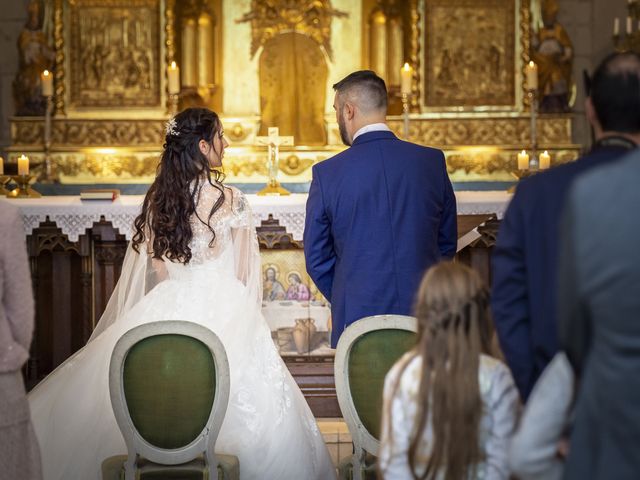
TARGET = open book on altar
x,y
100,194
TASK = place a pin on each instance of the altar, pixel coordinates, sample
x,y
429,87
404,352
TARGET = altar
x,y
76,249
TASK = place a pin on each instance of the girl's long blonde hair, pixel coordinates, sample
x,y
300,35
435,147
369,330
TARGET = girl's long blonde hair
x,y
454,328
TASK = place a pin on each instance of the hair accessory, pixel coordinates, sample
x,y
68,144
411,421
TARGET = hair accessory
x,y
172,127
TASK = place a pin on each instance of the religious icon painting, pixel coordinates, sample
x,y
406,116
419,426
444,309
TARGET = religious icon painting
x,y
296,312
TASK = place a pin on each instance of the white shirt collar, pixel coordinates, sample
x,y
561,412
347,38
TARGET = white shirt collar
x,y
372,127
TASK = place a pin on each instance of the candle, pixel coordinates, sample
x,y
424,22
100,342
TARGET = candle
x,y
628,25
544,160
532,76
616,26
47,83
1,166
23,165
406,77
173,74
523,161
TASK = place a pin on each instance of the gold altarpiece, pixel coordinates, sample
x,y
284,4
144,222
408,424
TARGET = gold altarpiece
x,y
264,63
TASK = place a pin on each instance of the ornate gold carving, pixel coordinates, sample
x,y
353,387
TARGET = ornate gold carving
x,y
525,28
58,40
470,53
505,131
88,133
237,133
414,54
100,166
293,165
119,68
270,18
482,164
170,41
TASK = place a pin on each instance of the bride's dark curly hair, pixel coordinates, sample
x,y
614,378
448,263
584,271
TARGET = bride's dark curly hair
x,y
172,197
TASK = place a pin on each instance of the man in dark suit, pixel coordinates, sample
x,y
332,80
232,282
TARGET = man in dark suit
x,y
378,214
524,294
599,316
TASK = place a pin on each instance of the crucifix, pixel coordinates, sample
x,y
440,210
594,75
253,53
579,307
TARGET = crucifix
x,y
273,140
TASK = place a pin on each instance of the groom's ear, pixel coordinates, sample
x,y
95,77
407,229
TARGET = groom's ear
x,y
349,110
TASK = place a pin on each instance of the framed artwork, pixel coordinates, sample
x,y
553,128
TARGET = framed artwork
x,y
297,313
471,55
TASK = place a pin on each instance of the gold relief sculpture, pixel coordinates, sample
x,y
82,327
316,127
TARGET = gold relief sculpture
x,y
294,165
58,40
115,53
498,131
86,133
34,56
292,69
553,52
470,53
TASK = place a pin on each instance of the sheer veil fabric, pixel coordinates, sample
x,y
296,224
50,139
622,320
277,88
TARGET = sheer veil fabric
x,y
268,424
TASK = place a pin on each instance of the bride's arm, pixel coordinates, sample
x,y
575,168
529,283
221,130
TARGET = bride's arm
x,y
248,264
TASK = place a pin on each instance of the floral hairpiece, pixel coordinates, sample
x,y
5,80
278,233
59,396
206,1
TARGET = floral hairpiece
x,y
172,127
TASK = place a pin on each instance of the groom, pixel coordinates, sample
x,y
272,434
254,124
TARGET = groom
x,y
378,214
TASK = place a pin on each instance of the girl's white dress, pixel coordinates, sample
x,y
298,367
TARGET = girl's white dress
x,y
268,424
500,414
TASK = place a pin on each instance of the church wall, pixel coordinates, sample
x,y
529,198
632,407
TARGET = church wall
x,y
13,14
589,24
347,46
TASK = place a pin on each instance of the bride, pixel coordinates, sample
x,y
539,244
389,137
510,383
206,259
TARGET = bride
x,y
194,256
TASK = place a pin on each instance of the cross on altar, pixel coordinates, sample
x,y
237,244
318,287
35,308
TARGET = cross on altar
x,y
273,140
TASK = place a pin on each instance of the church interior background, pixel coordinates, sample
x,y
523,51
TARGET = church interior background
x,y
262,64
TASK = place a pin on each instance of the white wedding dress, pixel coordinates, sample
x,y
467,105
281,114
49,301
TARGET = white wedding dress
x,y
268,424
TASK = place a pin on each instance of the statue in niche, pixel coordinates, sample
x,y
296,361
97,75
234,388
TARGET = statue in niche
x,y
295,36
197,53
553,52
35,56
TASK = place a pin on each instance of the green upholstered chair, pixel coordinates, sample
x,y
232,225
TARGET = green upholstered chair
x,y
169,387
365,353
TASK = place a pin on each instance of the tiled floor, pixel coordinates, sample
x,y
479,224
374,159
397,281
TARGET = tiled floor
x,y
337,438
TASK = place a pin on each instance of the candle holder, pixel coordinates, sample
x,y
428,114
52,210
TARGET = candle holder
x,y
4,179
174,99
405,115
533,98
48,174
23,190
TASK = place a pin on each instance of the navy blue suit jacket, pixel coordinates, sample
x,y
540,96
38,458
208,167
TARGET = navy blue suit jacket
x,y
525,261
378,215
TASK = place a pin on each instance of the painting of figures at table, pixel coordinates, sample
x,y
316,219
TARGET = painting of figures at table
x,y
298,315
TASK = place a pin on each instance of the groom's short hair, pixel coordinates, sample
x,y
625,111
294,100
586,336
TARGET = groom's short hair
x,y
364,88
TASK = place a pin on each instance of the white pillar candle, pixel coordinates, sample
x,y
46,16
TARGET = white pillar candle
x,y
532,76
47,83
406,77
23,165
1,166
544,160
173,77
628,25
523,161
616,26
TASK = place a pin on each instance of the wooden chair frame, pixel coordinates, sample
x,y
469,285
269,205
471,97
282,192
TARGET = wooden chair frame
x,y
363,441
205,441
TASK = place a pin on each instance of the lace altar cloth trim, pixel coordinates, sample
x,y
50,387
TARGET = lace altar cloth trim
x,y
74,217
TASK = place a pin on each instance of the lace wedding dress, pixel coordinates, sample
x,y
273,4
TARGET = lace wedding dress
x,y
268,424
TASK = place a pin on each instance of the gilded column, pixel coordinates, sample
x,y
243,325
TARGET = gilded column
x,y
205,50
396,51
188,65
58,40
378,43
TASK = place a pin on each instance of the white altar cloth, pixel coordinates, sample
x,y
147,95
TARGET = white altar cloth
x,y
73,216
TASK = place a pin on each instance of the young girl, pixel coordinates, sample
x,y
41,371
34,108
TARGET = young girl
x,y
449,407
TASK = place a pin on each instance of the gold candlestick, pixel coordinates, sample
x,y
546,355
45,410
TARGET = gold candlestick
x,y
24,189
4,179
